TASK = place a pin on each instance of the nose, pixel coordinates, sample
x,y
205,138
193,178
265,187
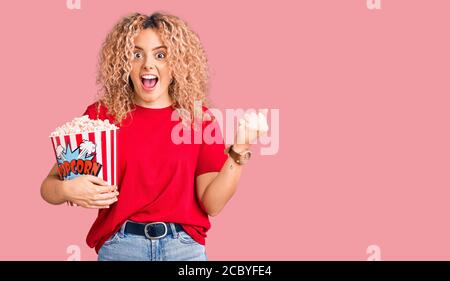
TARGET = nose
x,y
149,64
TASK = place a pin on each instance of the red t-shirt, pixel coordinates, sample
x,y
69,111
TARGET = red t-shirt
x,y
156,177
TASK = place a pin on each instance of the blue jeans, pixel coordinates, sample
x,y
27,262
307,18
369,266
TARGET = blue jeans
x,y
178,246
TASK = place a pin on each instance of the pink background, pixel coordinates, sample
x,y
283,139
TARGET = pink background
x,y
364,138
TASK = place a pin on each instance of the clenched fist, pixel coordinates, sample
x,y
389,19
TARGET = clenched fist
x,y
251,127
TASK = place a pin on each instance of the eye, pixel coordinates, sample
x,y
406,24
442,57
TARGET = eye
x,y
137,55
160,55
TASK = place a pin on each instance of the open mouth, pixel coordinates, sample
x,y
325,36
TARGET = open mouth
x,y
149,81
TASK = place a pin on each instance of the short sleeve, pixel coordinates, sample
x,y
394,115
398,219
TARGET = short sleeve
x,y
91,111
211,155
95,112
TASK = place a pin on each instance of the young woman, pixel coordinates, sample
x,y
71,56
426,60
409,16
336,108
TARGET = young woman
x,y
151,69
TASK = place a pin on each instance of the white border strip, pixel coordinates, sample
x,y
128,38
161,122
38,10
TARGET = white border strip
x,y
108,156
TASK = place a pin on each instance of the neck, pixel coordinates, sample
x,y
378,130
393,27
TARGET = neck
x,y
162,102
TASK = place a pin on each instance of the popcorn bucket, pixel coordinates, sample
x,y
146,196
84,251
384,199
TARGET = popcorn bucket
x,y
90,153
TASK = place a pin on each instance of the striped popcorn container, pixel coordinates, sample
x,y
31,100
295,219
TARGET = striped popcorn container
x,y
91,153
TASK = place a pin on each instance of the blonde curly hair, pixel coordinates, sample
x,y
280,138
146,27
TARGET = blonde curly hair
x,y
186,59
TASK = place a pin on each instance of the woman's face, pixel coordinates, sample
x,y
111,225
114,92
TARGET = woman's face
x,y
150,71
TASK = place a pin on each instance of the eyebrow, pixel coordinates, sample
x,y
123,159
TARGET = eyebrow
x,y
156,48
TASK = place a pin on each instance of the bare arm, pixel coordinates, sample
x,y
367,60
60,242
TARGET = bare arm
x,y
85,191
52,186
215,189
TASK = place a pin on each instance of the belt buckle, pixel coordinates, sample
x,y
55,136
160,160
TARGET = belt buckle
x,y
155,237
